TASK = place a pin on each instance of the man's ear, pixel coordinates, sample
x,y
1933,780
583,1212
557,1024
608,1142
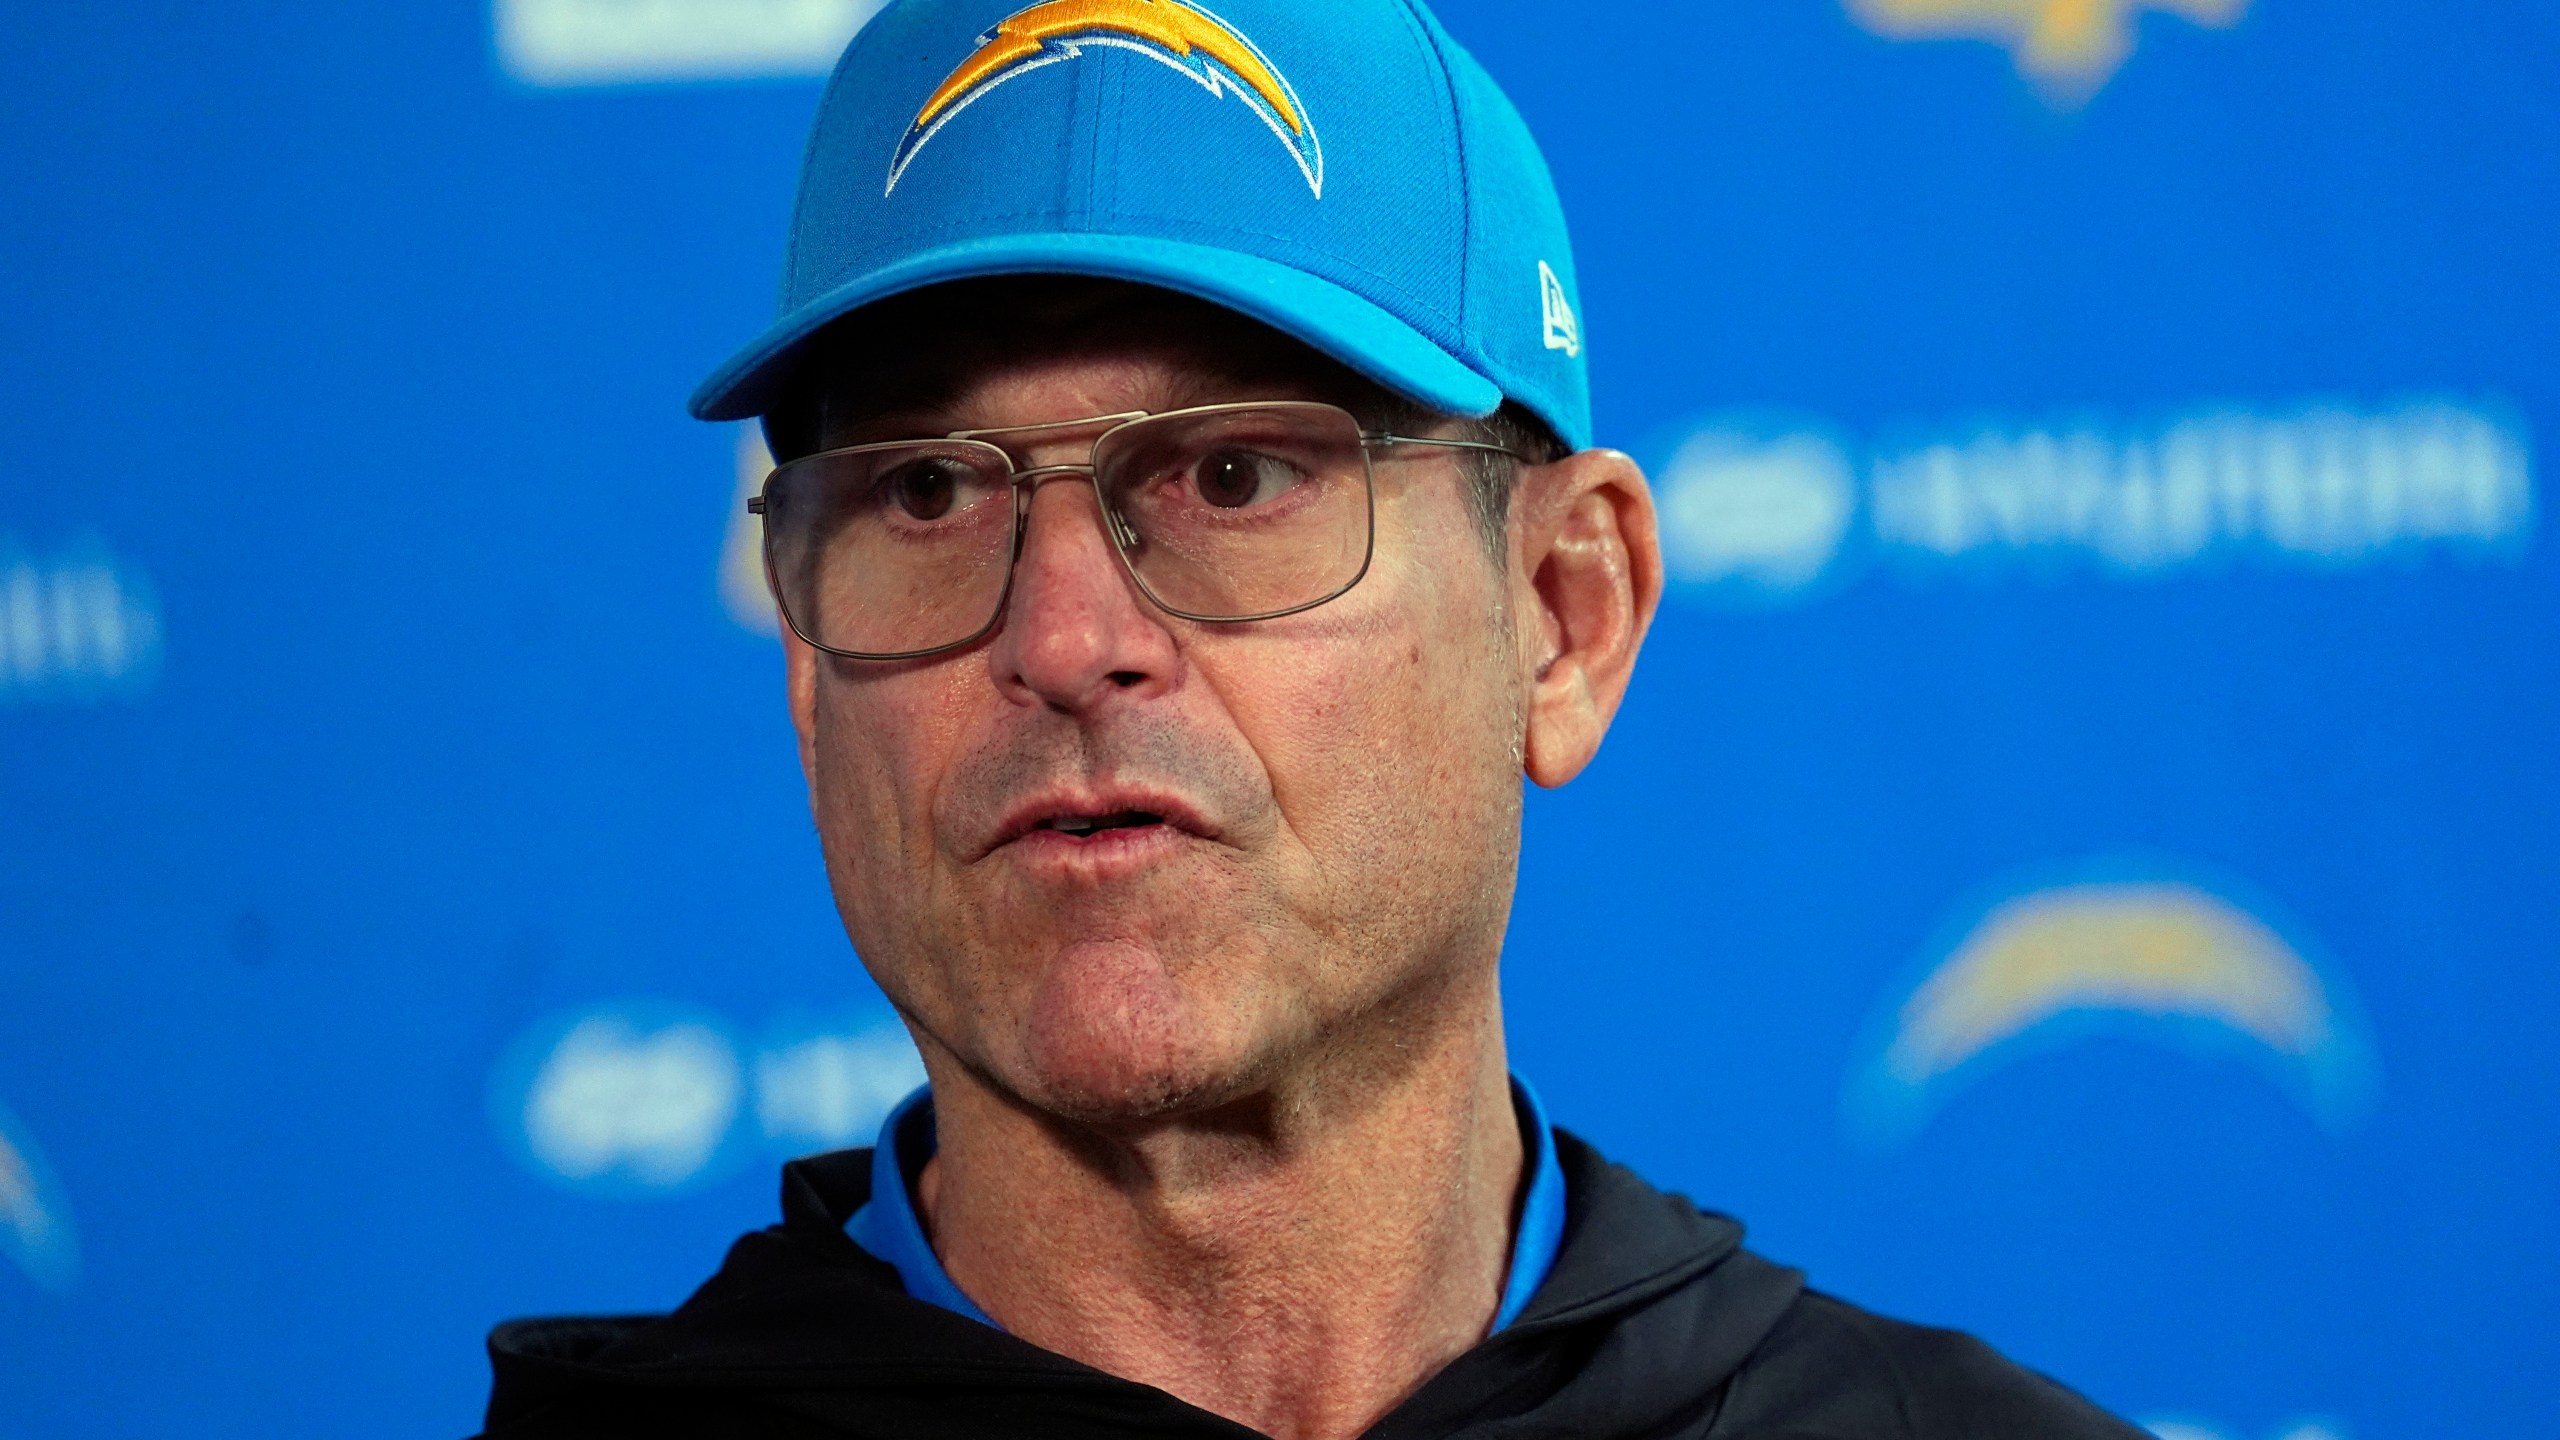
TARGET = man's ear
x,y
800,662
1586,577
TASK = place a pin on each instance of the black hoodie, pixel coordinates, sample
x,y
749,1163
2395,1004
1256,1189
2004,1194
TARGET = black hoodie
x,y
1655,1322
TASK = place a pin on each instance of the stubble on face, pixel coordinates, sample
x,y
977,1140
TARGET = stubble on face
x,y
1115,992
1332,897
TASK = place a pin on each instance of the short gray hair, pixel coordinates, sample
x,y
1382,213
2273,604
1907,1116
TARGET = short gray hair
x,y
1490,478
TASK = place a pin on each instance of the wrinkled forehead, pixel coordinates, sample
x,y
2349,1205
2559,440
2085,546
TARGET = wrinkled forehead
x,y
928,361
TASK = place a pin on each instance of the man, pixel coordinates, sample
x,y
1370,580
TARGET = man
x,y
1189,536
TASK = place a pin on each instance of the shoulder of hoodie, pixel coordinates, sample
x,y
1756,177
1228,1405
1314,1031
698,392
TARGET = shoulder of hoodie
x,y
1831,1369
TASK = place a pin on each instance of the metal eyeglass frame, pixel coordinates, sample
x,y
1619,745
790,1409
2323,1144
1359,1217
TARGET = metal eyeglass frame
x,y
1024,480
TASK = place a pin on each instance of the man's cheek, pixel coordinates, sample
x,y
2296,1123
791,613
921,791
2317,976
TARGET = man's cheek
x,y
1366,750
873,815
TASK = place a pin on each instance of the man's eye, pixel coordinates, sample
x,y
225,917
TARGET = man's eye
x,y
924,489
1231,479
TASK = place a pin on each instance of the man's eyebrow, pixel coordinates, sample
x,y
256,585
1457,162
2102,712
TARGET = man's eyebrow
x,y
895,425
909,411
892,416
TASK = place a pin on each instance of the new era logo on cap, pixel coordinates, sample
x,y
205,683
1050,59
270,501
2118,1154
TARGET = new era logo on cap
x,y
1555,312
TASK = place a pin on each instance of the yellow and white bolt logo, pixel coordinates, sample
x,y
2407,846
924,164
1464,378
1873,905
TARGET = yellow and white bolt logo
x,y
1183,37
2066,48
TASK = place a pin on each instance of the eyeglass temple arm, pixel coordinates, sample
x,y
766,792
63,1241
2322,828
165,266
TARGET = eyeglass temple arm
x,y
1382,437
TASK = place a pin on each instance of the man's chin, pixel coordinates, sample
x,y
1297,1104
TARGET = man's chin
x,y
1112,1038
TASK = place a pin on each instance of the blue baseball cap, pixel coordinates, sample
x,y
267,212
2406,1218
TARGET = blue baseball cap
x,y
1337,169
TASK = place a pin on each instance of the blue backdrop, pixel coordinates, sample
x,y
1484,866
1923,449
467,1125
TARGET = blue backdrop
x,y
2079,862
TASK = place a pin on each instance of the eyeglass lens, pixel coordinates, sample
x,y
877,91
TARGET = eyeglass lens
x,y
1221,513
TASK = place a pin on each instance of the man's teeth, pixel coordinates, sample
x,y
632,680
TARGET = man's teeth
x,y
1087,824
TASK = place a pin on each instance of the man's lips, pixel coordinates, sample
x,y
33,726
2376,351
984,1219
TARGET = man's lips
x,y
1089,817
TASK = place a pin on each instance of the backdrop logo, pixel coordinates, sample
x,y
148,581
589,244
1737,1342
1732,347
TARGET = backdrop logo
x,y
1185,38
615,42
80,625
2066,48
2113,951
2182,1428
35,1228
1769,509
642,1098
823,1088
1756,508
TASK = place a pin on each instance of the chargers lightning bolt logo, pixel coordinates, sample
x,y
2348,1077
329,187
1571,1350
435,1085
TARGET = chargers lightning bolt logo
x,y
2066,48
1183,37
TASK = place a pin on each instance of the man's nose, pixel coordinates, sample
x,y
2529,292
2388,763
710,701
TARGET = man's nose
x,y
1076,630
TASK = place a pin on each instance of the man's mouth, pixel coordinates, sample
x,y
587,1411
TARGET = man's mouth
x,y
1082,825
1132,820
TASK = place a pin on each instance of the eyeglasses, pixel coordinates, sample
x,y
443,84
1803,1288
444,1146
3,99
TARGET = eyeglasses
x,y
1218,513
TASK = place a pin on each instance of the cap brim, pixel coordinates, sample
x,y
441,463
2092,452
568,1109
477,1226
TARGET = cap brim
x,y
1352,330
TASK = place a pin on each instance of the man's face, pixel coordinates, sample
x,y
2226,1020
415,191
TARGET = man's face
x,y
1329,801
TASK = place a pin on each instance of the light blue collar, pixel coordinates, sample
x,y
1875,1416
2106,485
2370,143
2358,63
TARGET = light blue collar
x,y
887,1226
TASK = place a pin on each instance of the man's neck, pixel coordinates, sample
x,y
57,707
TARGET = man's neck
x,y
1299,1263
